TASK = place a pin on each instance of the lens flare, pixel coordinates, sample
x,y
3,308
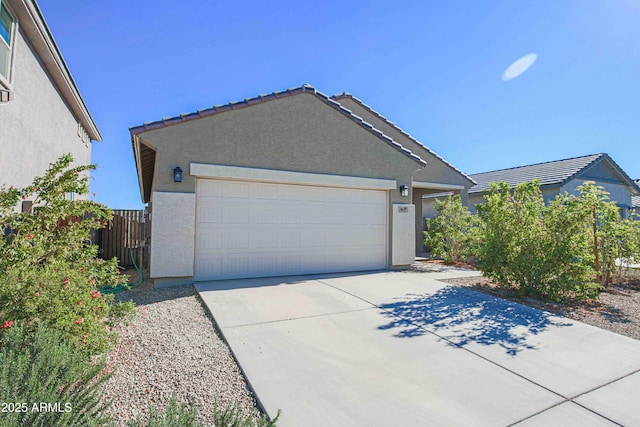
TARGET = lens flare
x,y
519,67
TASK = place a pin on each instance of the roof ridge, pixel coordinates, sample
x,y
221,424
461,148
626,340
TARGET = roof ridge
x,y
598,155
402,131
305,88
556,172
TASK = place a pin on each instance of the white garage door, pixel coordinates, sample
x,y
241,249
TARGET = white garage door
x,y
253,229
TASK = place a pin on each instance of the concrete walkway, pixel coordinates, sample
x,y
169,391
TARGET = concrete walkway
x,y
402,348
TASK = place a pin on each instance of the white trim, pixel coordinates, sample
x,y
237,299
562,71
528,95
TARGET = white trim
x,y
7,81
202,170
436,186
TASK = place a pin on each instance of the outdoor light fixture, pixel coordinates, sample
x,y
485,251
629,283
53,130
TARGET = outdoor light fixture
x,y
177,174
404,190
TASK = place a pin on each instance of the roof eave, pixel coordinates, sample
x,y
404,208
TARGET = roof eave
x,y
135,143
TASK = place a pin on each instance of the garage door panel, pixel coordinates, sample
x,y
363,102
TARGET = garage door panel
x,y
251,229
210,213
237,213
209,188
236,190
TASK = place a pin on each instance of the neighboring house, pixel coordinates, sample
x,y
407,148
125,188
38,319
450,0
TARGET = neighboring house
x,y
564,176
635,204
42,114
294,182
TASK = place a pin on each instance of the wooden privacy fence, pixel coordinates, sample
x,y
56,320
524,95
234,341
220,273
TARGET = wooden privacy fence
x,y
129,229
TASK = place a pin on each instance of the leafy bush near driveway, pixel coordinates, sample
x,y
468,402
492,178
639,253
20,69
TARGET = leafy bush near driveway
x,y
544,249
49,271
567,247
45,382
454,233
181,416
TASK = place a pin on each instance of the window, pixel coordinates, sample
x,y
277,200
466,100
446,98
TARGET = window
x,y
6,40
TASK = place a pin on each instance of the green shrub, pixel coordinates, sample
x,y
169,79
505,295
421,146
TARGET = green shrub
x,y
544,249
454,233
616,239
181,416
49,271
45,382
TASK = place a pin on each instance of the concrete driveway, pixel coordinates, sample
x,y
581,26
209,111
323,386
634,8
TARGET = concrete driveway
x,y
401,348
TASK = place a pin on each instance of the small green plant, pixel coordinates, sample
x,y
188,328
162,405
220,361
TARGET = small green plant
x,y
45,382
49,271
454,233
181,416
231,416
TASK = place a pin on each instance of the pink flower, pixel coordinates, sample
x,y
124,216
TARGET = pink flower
x,y
30,236
37,294
95,294
75,172
92,281
66,281
79,321
7,324
80,302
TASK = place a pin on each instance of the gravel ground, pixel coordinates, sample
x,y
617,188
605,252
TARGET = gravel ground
x,y
616,309
171,347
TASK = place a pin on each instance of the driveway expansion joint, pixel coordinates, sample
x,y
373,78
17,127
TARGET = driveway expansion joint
x,y
266,322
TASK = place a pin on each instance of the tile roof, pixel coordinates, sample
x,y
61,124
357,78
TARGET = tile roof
x,y
549,173
306,88
397,128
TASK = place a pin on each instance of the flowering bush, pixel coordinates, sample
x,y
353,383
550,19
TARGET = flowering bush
x,y
49,271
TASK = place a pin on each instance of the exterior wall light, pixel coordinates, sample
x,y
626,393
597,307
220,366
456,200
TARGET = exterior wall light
x,y
177,174
404,190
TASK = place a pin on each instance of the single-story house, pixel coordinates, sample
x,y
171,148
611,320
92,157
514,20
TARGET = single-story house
x,y
42,114
564,176
293,182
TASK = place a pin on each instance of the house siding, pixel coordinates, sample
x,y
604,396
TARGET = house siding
x,y
37,124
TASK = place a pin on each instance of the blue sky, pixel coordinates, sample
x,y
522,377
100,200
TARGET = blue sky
x,y
434,68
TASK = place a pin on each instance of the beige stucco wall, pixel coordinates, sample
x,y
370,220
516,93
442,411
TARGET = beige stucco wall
x,y
295,133
37,126
172,235
403,226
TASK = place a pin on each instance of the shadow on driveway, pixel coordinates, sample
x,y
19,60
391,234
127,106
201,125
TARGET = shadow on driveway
x,y
462,316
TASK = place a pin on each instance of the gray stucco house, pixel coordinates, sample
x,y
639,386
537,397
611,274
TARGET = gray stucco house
x,y
292,182
564,176
42,114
